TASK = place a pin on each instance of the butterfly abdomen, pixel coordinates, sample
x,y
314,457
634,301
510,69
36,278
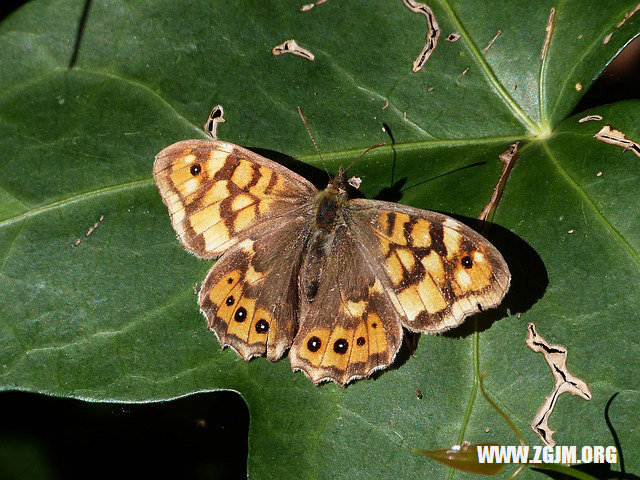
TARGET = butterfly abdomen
x,y
328,218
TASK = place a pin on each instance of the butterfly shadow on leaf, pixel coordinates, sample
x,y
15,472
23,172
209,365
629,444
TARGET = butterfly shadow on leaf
x,y
529,279
397,187
315,175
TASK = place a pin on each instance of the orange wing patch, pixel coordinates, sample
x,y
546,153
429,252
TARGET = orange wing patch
x,y
376,335
224,287
338,348
451,239
391,225
421,234
432,263
315,344
242,174
261,323
360,347
438,271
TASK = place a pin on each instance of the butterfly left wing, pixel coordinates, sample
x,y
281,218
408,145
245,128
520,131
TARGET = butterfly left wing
x,y
435,270
217,193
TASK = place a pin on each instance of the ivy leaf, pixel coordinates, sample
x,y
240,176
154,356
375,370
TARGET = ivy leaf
x,y
88,99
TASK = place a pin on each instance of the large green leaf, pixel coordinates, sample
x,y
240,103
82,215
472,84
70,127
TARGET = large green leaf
x,y
115,318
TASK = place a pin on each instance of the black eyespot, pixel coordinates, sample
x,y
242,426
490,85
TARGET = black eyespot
x,y
361,341
314,344
262,326
229,280
374,325
467,262
241,315
341,346
195,169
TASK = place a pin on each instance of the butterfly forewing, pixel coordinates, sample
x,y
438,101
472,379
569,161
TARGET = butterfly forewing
x,y
217,192
436,270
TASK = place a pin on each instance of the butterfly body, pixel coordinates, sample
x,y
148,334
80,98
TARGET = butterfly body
x,y
331,279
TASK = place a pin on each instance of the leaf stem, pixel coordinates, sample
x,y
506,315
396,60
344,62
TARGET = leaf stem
x,y
474,389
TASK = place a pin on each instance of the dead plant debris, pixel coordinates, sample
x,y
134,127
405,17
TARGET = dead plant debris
x,y
556,358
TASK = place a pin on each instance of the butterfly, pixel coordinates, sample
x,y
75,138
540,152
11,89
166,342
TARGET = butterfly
x,y
331,279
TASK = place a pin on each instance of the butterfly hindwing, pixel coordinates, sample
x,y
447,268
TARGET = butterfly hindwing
x,y
217,192
436,270
349,328
250,295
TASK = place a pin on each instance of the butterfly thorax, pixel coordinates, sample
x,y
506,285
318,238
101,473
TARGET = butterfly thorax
x,y
329,203
328,212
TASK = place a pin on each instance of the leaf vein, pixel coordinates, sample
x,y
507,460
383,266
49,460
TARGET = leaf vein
x,y
121,187
490,75
591,204
373,93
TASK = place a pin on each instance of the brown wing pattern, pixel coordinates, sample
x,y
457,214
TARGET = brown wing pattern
x,y
350,328
436,270
339,296
217,192
250,295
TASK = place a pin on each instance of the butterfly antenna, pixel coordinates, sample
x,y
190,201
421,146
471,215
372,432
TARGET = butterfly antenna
x,y
364,153
306,125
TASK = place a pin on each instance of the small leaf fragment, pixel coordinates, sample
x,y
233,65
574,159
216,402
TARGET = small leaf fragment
x,y
590,118
490,44
309,6
291,46
215,117
508,158
432,34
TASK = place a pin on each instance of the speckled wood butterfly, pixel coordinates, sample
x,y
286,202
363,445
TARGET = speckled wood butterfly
x,y
331,279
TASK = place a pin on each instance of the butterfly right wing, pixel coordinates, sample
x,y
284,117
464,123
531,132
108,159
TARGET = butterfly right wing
x,y
436,270
349,328
218,192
